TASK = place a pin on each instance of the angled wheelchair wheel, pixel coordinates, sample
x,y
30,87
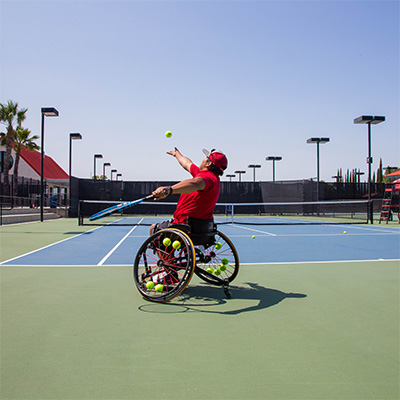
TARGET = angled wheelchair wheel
x,y
164,265
217,264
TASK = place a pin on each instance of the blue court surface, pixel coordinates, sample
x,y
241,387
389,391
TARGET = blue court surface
x,y
118,244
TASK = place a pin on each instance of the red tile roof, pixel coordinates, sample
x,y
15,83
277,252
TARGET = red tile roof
x,y
393,174
51,169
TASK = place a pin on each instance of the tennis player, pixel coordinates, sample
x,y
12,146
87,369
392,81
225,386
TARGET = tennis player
x,y
198,194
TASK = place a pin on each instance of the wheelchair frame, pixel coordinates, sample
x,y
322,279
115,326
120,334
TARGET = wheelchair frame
x,y
166,261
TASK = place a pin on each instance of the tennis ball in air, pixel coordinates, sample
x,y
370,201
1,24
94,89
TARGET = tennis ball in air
x,y
176,245
166,242
150,285
224,261
218,245
210,270
253,237
344,232
168,134
217,271
222,267
159,288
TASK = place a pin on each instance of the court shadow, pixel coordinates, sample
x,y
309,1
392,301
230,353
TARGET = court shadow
x,y
208,299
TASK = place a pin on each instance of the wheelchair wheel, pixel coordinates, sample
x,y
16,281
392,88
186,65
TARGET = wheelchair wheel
x,y
164,265
219,263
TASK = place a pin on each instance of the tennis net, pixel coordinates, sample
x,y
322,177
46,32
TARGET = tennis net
x,y
292,213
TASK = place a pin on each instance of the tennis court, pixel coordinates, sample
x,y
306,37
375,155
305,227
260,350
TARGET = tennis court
x,y
314,314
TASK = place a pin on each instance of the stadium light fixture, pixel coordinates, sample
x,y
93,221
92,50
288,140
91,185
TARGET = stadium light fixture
x,y
254,166
240,174
96,156
112,172
273,159
230,177
118,175
46,112
374,120
72,136
337,177
318,140
106,164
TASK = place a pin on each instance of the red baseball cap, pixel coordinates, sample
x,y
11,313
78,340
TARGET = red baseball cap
x,y
217,157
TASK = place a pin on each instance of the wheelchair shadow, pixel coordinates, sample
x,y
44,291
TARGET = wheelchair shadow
x,y
202,297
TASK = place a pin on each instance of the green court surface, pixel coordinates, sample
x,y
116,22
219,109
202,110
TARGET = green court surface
x,y
290,331
19,239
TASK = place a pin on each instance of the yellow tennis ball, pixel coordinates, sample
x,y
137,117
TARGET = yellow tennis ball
x,y
224,261
218,245
217,271
168,134
222,267
210,270
344,232
176,245
253,237
150,285
166,242
159,288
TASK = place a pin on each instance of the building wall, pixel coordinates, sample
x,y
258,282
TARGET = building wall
x,y
24,169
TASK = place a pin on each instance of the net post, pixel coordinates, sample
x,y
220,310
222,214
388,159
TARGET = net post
x,y
370,211
80,213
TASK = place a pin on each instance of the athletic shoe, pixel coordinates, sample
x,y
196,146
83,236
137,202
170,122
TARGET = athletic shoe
x,y
165,278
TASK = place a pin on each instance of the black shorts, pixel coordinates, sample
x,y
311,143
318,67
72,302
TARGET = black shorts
x,y
162,225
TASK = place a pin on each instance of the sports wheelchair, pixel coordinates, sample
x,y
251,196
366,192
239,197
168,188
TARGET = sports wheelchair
x,y
166,261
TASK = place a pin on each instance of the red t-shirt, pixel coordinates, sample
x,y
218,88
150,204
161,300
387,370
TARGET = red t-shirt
x,y
199,204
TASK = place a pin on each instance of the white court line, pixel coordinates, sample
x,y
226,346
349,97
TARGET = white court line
x,y
254,230
49,245
118,244
324,234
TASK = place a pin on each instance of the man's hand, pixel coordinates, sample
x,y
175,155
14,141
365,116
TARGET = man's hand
x,y
183,161
174,152
161,192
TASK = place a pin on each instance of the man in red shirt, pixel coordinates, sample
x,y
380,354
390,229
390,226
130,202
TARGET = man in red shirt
x,y
198,194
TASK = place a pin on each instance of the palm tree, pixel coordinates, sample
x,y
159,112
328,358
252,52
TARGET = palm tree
x,y
21,139
9,115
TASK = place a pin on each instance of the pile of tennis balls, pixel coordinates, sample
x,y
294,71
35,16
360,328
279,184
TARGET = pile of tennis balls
x,y
176,244
158,288
221,268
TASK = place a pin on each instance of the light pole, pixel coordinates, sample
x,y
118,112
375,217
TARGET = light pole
x,y
358,174
240,174
230,177
337,177
254,170
317,141
72,136
94,170
118,175
369,119
273,159
48,112
106,164
112,172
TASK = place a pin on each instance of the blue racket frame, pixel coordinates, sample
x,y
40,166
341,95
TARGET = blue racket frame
x,y
118,208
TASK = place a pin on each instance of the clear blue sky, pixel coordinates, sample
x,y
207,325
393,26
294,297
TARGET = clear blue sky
x,y
252,78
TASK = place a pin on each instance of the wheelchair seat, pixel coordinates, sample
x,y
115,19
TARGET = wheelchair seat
x,y
200,231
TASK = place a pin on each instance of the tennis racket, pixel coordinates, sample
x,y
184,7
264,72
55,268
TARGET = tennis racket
x,y
118,208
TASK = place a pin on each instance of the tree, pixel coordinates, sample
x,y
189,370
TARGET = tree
x,y
21,139
9,116
379,173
